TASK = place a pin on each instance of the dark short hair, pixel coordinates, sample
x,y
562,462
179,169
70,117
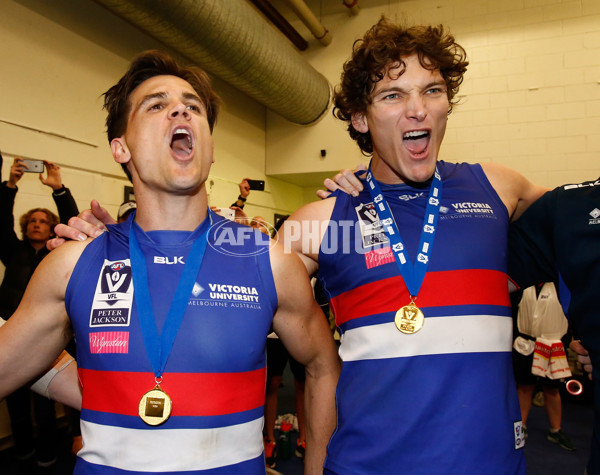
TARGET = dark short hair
x,y
50,216
143,67
382,48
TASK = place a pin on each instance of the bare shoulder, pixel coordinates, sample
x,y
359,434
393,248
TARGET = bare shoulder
x,y
317,210
67,255
56,268
303,231
285,263
514,189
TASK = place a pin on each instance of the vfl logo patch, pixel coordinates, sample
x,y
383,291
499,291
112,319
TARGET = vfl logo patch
x,y
371,229
113,298
109,342
519,436
379,257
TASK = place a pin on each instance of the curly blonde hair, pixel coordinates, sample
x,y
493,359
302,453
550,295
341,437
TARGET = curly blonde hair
x,y
24,220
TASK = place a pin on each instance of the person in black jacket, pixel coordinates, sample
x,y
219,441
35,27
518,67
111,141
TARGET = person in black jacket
x,y
21,257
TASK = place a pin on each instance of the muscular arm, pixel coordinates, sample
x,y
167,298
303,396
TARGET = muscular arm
x,y
39,329
303,231
516,192
305,333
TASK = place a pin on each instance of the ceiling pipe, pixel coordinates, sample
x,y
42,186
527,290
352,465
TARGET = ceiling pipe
x,y
231,40
281,23
310,20
352,5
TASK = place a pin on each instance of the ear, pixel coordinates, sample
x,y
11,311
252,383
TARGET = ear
x,y
359,122
119,150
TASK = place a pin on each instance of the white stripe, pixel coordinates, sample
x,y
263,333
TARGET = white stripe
x,y
439,335
170,450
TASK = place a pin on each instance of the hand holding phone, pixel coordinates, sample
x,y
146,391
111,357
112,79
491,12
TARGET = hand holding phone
x,y
33,166
256,184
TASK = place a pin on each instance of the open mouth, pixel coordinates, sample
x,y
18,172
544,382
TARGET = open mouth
x,y
416,141
181,142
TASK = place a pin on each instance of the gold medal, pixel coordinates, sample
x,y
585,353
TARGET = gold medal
x,y
155,406
409,319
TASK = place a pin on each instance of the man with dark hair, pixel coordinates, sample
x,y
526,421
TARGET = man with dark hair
x,y
173,373
415,268
143,67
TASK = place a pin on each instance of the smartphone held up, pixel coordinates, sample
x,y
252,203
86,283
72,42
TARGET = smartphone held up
x,y
258,185
33,166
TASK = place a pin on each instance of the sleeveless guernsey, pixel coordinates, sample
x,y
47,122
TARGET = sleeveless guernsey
x,y
215,374
441,400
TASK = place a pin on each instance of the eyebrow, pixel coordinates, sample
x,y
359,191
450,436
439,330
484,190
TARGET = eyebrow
x,y
400,89
164,95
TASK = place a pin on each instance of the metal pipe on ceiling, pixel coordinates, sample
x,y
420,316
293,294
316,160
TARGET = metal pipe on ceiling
x,y
310,20
269,11
232,41
352,5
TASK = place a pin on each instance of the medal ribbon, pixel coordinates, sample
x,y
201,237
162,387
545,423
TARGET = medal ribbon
x,y
413,275
159,348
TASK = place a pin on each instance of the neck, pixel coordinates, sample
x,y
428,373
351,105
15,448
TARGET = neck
x,y
171,212
37,245
383,173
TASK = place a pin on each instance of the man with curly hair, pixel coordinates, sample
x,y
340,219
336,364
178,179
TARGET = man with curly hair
x,y
414,265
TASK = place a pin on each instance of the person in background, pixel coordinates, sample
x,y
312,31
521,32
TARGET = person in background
x,y
537,313
559,234
260,223
21,257
243,196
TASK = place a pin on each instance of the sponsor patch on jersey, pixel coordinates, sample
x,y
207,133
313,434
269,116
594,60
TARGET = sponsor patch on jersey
x,y
113,298
519,436
109,342
371,229
379,257
467,209
595,214
226,295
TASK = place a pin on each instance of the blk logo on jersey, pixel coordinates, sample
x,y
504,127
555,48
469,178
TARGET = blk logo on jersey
x,y
114,295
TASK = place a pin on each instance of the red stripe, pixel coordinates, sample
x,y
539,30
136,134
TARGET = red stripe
x,y
463,287
197,394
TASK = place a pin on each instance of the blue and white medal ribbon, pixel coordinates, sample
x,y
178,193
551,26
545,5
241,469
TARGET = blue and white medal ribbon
x,y
409,319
